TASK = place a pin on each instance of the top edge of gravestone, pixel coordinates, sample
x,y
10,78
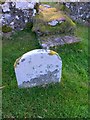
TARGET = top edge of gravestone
x,y
37,51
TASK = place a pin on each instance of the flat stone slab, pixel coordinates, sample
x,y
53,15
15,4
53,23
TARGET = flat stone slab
x,y
38,67
56,40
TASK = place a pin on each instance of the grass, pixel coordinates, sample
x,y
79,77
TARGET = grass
x,y
0,59
67,99
0,77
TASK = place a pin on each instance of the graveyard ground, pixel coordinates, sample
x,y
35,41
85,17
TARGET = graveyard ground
x,y
67,99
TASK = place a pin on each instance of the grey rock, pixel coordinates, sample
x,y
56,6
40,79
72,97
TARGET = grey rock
x,y
5,7
44,46
79,11
56,40
47,6
17,14
53,23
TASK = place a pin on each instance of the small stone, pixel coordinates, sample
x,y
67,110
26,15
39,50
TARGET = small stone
x,y
83,20
61,21
17,17
88,16
53,23
34,12
21,5
12,23
13,4
25,5
44,46
47,6
67,5
26,21
5,7
7,16
80,8
31,5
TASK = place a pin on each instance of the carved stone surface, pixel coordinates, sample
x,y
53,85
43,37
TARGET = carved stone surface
x,y
38,67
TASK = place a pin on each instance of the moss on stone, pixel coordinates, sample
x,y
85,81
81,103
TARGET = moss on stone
x,y
6,29
29,25
49,14
2,1
64,27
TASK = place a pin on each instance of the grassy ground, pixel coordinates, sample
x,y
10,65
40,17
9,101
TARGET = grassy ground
x,y
0,57
68,99
0,76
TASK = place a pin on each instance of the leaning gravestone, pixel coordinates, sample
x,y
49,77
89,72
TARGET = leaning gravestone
x,y
38,67
53,27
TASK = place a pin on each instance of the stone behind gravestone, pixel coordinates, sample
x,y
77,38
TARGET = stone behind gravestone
x,y
38,67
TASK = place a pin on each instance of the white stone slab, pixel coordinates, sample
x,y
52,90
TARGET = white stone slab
x,y
38,67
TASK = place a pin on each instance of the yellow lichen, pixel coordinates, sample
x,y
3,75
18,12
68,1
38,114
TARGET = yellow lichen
x,y
6,29
16,62
72,23
43,8
50,15
52,52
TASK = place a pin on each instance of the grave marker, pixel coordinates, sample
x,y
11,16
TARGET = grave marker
x,y
38,67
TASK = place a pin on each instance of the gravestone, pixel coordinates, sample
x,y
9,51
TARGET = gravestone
x,y
54,27
38,67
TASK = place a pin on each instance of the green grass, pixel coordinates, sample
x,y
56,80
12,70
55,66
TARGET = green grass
x,y
67,99
0,59
0,76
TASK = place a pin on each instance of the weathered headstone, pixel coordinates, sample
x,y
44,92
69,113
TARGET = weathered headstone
x,y
38,67
54,27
